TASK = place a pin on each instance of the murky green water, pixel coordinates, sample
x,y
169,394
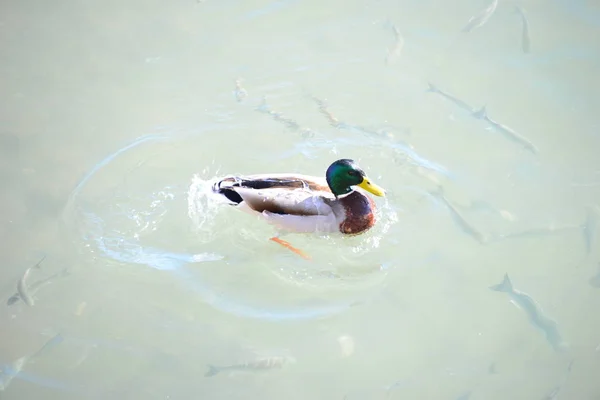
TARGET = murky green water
x,y
117,117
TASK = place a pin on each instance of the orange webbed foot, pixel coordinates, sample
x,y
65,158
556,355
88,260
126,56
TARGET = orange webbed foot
x,y
290,247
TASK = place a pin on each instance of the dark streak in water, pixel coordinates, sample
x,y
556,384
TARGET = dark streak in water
x,y
525,41
262,364
34,287
461,104
287,122
508,132
323,109
396,50
534,313
459,219
23,290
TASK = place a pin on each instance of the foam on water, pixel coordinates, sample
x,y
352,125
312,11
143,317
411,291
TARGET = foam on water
x,y
203,206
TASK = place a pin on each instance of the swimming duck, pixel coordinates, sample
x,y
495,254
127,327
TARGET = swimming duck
x,y
303,203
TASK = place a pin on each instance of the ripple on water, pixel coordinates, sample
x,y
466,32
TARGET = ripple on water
x,y
170,220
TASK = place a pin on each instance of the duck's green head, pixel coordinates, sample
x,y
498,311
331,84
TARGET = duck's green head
x,y
344,173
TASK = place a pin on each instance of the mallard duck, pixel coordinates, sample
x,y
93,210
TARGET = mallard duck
x,y
303,203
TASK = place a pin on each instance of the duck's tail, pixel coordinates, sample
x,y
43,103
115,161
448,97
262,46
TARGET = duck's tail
x,y
224,187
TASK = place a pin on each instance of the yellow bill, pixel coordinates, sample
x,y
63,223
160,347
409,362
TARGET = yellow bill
x,y
371,187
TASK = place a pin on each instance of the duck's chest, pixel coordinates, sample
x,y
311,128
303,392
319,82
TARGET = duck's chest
x,y
359,213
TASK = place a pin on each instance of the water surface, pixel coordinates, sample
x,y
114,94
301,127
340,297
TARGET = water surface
x,y
118,117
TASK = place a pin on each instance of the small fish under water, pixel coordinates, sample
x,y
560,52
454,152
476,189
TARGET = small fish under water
x,y
277,116
288,122
22,288
333,121
383,133
459,219
477,21
34,287
461,104
525,42
9,371
507,131
394,52
534,313
255,365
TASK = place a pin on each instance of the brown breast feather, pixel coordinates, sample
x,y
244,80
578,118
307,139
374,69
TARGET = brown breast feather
x,y
360,213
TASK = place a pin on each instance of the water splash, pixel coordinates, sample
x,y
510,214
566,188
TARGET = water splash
x,y
203,205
